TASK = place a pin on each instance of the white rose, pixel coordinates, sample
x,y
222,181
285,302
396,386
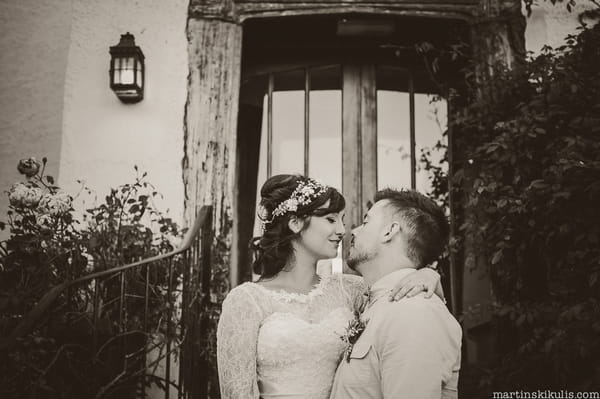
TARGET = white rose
x,y
16,194
23,196
45,221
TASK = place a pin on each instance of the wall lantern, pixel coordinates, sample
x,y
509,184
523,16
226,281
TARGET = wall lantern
x,y
127,70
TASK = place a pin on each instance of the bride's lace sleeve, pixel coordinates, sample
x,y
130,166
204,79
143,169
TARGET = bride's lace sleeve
x,y
237,334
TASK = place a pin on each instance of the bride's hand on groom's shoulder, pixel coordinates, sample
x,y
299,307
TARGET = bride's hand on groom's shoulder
x,y
423,280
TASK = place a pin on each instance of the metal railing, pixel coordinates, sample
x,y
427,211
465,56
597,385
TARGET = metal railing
x,y
133,324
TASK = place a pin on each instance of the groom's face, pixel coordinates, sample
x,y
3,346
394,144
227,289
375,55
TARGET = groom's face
x,y
366,238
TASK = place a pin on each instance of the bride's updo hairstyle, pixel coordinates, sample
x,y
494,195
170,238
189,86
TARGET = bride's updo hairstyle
x,y
284,196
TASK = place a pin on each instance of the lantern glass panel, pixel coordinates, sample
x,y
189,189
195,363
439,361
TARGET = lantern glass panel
x,y
117,71
126,71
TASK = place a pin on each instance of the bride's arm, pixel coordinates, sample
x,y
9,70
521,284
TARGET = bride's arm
x,y
237,335
425,279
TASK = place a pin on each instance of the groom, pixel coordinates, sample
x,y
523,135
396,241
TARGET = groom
x,y
410,349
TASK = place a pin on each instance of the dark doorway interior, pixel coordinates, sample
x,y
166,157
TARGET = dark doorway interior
x,y
330,48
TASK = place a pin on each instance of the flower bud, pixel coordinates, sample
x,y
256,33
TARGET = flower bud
x,y
28,167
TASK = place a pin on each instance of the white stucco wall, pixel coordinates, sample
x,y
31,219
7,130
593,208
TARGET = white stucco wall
x,y
550,24
34,42
103,138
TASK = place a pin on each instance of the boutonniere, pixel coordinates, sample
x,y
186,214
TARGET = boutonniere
x,y
356,325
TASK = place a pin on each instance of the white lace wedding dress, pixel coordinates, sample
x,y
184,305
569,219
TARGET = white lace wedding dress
x,y
273,344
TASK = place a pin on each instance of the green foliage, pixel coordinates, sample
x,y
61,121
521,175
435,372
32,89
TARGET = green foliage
x,y
532,178
120,230
45,247
527,173
49,246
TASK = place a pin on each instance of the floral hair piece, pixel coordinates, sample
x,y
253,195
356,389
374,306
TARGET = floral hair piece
x,y
304,194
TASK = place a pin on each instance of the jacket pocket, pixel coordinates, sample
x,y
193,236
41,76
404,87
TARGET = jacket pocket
x,y
360,350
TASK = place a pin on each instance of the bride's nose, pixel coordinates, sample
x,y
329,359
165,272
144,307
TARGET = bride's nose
x,y
340,229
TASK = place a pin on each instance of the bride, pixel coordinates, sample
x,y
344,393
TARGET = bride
x,y
281,336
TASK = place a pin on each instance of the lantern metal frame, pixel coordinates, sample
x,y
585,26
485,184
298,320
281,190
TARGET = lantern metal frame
x,y
130,92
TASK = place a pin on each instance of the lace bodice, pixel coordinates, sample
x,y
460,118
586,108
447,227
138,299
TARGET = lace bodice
x,y
273,344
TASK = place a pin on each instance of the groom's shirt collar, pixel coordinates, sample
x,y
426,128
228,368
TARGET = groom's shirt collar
x,y
385,284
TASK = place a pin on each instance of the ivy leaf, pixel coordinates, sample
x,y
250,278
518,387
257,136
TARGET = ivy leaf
x,y
497,256
593,279
539,184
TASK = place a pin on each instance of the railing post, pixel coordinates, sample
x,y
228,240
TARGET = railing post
x,y
123,319
145,326
183,327
205,261
169,326
95,316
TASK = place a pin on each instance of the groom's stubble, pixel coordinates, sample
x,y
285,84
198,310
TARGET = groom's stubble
x,y
355,261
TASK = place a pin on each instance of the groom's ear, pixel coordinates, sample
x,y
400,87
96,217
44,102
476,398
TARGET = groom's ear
x,y
390,231
296,224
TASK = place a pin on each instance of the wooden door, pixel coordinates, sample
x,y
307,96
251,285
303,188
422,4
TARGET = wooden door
x,y
350,125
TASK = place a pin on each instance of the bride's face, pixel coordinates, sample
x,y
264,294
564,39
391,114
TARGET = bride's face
x,y
322,235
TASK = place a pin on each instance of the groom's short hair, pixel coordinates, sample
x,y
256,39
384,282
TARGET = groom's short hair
x,y
425,221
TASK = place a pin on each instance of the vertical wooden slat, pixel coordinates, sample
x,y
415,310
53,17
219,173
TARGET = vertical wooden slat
x,y
351,143
359,138
248,152
306,119
454,305
368,123
413,156
270,125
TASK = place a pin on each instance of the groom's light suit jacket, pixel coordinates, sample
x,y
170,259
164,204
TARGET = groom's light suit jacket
x,y
410,349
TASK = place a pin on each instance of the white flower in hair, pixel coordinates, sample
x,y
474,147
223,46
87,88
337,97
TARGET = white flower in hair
x,y
304,194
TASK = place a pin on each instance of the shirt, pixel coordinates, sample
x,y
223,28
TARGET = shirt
x,y
410,349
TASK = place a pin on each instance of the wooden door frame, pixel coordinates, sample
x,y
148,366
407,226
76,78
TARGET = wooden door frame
x,y
359,138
